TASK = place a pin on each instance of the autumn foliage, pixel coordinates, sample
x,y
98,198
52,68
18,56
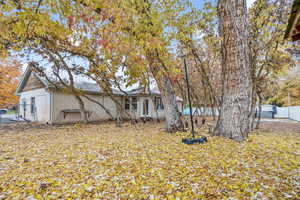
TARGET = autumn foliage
x,y
9,78
288,93
140,162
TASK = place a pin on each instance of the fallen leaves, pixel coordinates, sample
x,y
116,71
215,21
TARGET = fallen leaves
x,y
140,162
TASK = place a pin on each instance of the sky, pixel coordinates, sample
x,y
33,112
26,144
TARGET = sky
x,y
250,2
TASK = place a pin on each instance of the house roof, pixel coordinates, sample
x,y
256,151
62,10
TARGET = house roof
x,y
143,90
93,87
82,85
87,86
293,20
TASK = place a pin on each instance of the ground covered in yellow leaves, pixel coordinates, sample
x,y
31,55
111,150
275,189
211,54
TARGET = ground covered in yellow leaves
x,y
141,162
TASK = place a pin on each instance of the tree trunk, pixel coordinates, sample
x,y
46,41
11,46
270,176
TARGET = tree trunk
x,y
253,109
213,113
82,110
173,120
234,119
154,103
161,75
252,118
119,116
259,110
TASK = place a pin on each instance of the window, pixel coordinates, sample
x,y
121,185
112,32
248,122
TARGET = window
x,y
24,104
127,104
134,103
158,103
32,108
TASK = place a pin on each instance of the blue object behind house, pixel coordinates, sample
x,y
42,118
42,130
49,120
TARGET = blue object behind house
x,y
186,111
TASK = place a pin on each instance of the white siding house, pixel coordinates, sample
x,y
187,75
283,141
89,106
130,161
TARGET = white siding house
x,y
34,105
40,102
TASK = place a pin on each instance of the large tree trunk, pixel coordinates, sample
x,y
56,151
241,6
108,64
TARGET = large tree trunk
x,y
234,119
161,75
173,120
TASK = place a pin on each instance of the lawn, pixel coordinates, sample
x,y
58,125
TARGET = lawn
x,y
142,162
11,112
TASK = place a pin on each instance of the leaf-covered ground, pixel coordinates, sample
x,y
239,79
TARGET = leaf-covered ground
x,y
142,162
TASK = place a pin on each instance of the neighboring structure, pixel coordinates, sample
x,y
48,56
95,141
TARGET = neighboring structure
x,y
293,28
41,102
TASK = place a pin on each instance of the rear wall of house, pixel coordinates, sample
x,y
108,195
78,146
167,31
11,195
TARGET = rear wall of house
x,y
64,101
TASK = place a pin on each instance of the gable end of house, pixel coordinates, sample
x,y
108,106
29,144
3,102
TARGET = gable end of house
x,y
33,83
29,81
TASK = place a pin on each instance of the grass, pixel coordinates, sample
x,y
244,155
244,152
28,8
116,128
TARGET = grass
x,y
11,112
142,162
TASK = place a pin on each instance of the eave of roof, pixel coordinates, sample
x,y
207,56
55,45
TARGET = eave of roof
x,y
293,16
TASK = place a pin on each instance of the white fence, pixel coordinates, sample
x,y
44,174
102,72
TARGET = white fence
x,y
294,113
202,111
282,112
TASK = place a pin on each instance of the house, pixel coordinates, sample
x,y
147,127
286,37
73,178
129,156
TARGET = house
x,y
40,102
293,28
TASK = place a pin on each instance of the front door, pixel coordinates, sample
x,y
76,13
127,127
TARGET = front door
x,y
146,107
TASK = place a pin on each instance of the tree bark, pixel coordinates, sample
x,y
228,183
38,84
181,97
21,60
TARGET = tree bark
x,y
161,75
173,120
234,119
253,108
119,116
259,110
82,109
154,103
